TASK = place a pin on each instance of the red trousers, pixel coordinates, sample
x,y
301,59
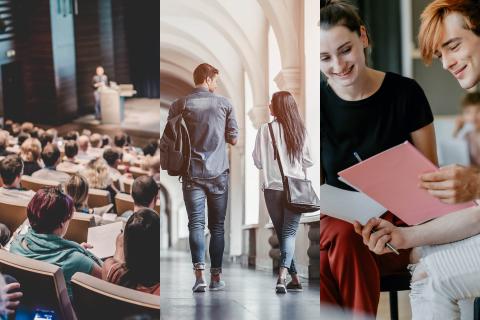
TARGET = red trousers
x,y
349,271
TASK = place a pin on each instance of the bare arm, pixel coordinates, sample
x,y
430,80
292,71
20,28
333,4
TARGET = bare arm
x,y
96,271
452,227
424,141
449,228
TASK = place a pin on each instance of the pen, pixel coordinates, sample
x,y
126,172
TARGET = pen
x,y
388,245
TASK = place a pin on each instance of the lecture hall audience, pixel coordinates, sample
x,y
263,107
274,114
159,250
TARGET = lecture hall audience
x,y
29,150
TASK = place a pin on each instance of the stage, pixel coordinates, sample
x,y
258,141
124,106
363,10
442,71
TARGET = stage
x,y
142,121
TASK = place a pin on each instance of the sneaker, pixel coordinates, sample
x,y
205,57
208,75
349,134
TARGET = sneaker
x,y
217,285
200,286
295,287
281,286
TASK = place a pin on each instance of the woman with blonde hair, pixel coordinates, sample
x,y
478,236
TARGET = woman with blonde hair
x,y
77,188
98,176
30,152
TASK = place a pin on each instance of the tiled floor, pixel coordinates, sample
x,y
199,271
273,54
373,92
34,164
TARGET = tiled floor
x,y
249,295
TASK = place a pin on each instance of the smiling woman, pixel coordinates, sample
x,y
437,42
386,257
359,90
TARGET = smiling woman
x,y
366,111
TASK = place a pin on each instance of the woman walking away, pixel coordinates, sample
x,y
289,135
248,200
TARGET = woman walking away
x,y
293,150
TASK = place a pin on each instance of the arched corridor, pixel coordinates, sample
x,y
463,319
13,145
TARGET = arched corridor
x,y
259,47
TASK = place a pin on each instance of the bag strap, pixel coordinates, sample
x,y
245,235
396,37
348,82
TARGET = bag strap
x,y
275,150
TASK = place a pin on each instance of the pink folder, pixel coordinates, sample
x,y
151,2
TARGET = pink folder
x,y
391,178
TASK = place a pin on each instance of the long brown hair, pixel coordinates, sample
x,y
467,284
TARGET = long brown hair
x,y
285,109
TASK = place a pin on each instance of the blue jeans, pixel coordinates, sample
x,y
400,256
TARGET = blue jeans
x,y
215,192
285,223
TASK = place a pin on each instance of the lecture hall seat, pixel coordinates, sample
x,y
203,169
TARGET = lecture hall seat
x,y
99,299
42,284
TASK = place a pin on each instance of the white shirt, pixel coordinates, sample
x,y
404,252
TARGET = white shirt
x,y
264,160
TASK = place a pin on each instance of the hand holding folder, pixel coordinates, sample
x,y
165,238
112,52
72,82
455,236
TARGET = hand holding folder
x,y
391,178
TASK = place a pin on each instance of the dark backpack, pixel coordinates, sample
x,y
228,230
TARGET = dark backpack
x,y
175,146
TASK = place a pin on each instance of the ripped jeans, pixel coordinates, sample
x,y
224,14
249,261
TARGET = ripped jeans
x,y
446,280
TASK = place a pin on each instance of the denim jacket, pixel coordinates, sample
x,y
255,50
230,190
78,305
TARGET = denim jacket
x,y
211,124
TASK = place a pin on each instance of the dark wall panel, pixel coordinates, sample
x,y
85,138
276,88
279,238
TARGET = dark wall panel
x,y
122,73
35,54
94,46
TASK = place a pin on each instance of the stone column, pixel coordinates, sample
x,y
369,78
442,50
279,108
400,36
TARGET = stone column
x,y
259,114
290,79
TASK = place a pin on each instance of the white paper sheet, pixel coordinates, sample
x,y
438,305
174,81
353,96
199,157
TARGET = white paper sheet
x,y
348,205
102,238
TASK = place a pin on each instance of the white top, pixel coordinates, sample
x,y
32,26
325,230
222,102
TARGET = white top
x,y
264,160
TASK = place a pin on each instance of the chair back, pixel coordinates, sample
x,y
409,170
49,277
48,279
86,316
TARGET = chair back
x,y
98,198
35,184
99,299
78,228
123,202
42,284
137,172
13,213
127,185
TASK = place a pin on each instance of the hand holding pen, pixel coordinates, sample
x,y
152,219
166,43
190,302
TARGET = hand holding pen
x,y
378,242
385,239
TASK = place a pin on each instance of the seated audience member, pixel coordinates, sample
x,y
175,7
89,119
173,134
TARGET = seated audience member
x,y
51,158
96,140
83,149
70,164
132,266
46,138
77,188
95,145
49,214
15,129
71,135
144,194
34,132
121,140
106,141
86,132
53,133
26,127
22,137
98,176
8,126
4,136
152,165
30,152
11,170
112,157
151,148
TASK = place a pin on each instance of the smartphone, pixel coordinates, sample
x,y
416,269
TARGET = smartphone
x,y
44,315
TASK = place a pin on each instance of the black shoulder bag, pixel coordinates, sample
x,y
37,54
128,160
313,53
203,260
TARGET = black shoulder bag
x,y
299,194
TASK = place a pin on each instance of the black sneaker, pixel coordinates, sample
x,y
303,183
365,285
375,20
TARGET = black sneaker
x,y
295,287
281,286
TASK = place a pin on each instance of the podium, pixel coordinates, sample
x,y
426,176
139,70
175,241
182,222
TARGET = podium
x,y
112,103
